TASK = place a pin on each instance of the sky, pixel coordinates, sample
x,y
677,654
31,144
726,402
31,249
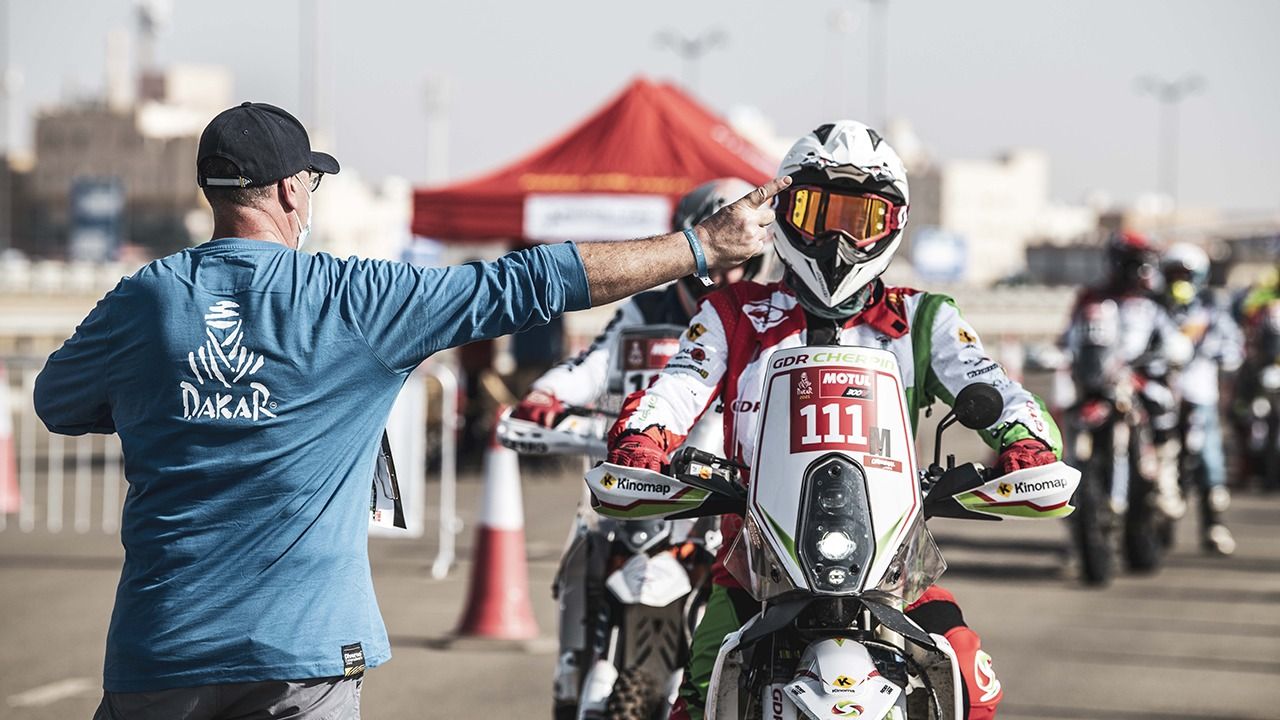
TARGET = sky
x,y
974,77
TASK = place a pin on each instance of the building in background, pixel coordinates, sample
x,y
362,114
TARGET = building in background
x,y
145,148
982,214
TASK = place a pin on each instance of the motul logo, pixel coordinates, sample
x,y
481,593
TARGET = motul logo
x,y
846,378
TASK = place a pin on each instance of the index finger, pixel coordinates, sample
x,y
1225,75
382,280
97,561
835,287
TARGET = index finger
x,y
765,192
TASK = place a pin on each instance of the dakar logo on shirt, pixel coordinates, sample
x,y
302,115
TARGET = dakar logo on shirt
x,y
222,367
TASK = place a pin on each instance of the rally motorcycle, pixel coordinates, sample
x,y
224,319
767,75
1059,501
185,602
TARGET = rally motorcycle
x,y
834,544
1110,439
630,590
1261,408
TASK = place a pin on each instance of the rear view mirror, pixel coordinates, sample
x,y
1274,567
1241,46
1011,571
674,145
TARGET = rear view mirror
x,y
978,406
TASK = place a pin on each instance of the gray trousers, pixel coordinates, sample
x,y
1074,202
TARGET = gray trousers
x,y
336,698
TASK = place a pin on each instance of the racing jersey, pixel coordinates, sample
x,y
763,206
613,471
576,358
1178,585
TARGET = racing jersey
x,y
1146,334
724,353
585,379
1216,343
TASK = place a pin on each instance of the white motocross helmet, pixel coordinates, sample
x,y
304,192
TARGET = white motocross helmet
x,y
1186,271
841,220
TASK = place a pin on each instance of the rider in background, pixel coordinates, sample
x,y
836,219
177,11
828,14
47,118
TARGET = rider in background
x,y
1251,309
585,381
1149,343
837,228
1218,346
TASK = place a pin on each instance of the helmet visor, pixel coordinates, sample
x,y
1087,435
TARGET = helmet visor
x,y
821,215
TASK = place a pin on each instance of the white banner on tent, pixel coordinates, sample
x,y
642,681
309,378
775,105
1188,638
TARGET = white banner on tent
x,y
595,217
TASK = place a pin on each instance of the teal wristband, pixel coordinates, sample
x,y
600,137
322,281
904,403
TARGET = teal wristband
x,y
698,257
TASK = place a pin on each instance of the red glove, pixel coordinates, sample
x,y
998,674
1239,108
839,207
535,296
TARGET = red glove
x,y
639,450
539,407
1024,454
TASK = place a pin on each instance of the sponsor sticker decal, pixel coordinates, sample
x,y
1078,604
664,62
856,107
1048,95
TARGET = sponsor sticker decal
x,y
881,463
982,371
1004,489
696,331
846,708
608,481
985,676
804,388
845,384
763,315
966,337
844,682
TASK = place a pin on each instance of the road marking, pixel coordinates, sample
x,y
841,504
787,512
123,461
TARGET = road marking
x,y
53,692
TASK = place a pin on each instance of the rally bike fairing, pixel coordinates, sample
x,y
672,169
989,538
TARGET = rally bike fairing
x,y
847,549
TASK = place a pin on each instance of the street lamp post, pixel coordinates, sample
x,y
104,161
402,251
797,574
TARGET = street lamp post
x,y
878,62
691,50
1170,94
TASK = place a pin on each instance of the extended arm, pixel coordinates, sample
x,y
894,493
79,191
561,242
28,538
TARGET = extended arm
x,y
729,238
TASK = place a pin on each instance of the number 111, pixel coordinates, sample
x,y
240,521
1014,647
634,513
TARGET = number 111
x,y
833,433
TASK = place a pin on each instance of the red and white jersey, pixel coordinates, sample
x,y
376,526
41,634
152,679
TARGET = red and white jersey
x,y
724,353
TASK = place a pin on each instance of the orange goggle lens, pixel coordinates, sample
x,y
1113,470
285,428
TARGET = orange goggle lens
x,y
814,212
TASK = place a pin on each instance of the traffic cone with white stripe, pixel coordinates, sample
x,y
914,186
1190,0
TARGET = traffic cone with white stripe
x,y
498,605
10,495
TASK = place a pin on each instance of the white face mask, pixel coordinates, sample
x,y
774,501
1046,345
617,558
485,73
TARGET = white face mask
x,y
305,231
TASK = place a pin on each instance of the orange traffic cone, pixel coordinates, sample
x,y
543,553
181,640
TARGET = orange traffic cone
x,y
10,496
498,605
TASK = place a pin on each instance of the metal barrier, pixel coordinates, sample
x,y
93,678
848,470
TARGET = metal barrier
x,y
84,455
87,470
449,522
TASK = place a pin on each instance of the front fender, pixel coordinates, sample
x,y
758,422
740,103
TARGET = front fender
x,y
837,679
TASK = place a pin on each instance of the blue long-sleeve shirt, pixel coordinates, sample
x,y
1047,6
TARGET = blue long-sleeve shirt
x,y
249,385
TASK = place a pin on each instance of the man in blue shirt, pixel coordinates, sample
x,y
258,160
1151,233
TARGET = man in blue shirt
x,y
250,383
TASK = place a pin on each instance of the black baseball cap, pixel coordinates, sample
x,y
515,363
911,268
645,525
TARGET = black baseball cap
x,y
263,142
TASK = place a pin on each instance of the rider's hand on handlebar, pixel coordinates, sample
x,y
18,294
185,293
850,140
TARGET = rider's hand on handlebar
x,y
1024,454
638,450
539,407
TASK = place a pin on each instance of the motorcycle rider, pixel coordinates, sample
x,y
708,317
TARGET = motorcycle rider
x,y
838,227
1252,311
584,380
1218,345
1148,341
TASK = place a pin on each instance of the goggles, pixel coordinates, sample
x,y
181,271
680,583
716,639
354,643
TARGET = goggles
x,y
820,215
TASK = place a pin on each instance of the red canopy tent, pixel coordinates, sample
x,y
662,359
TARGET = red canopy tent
x,y
616,175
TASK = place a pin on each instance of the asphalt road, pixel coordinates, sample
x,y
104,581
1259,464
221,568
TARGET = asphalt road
x,y
1200,640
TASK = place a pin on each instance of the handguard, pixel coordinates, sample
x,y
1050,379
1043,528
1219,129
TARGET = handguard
x,y
576,432
701,490
1037,492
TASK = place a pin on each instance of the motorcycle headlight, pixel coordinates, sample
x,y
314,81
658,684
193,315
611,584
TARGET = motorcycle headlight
x,y
836,545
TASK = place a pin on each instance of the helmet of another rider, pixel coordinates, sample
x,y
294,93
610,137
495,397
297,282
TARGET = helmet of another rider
x,y
1186,272
701,203
841,220
1131,262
